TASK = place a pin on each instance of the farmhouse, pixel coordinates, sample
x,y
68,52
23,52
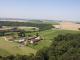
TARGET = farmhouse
x,y
21,40
34,39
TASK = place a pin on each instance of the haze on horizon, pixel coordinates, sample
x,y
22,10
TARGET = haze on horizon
x,y
41,9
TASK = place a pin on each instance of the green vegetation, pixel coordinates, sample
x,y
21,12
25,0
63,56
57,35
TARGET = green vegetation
x,y
47,35
41,26
28,28
7,48
56,44
63,47
53,22
3,52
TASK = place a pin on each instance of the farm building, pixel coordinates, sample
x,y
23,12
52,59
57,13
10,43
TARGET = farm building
x,y
34,39
21,39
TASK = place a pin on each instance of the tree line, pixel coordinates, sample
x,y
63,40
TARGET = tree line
x,y
41,26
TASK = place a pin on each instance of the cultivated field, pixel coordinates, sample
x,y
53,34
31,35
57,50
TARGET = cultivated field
x,y
68,26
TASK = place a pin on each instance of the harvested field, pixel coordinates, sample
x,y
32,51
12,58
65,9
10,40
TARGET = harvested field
x,y
68,26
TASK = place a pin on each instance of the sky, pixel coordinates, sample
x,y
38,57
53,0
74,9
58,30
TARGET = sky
x,y
41,9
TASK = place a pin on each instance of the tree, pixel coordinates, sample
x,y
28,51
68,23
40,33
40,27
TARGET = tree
x,y
42,54
21,34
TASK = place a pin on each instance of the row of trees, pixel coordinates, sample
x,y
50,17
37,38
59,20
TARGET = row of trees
x,y
63,47
41,26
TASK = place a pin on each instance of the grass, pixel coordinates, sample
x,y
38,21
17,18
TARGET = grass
x,y
3,52
7,48
28,28
48,37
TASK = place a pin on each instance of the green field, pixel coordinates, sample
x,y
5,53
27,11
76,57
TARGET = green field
x,y
48,37
7,48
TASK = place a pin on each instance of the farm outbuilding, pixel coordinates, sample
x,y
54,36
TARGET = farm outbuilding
x,y
34,39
